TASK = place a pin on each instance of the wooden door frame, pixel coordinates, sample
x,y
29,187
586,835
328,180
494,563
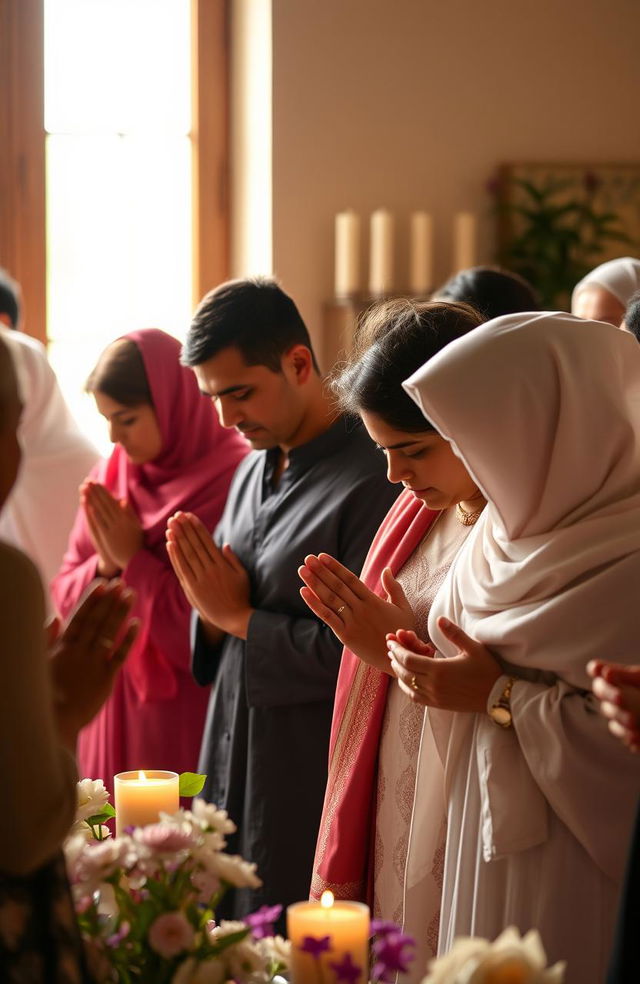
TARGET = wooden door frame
x,y
22,150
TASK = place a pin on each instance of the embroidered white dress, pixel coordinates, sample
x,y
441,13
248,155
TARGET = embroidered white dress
x,y
408,886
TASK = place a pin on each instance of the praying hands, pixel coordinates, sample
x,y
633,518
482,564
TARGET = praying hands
x,y
459,683
617,687
359,618
86,655
215,582
113,527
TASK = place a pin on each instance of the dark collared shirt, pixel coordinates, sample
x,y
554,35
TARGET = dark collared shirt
x,y
266,738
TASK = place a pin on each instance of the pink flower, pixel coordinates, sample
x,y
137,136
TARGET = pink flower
x,y
161,837
170,934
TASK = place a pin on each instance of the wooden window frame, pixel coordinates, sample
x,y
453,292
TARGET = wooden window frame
x,y
22,155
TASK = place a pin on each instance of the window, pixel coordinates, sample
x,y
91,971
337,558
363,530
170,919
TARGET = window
x,y
130,143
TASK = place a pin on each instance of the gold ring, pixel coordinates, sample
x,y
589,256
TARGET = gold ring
x,y
414,683
341,609
105,641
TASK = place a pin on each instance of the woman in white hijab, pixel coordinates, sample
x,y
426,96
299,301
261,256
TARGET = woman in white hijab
x,y
544,411
56,457
604,293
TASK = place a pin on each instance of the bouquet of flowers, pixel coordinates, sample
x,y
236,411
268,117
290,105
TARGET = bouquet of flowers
x,y
146,900
519,960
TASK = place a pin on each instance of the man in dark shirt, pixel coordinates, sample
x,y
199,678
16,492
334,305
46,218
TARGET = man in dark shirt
x,y
314,482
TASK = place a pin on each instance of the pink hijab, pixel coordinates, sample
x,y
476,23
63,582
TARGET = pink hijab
x,y
193,472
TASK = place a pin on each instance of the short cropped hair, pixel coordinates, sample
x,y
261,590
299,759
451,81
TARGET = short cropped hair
x,y
491,291
9,298
632,315
254,316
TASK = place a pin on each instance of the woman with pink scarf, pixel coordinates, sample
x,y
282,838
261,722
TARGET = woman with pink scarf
x,y
171,453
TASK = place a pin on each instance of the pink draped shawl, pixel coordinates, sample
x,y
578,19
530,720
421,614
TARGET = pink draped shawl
x,y
343,853
193,472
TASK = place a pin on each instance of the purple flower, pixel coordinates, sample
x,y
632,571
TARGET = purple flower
x,y
261,922
390,957
117,938
315,945
345,970
381,927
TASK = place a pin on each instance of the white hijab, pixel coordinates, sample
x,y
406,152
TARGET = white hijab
x,y
544,410
620,277
41,509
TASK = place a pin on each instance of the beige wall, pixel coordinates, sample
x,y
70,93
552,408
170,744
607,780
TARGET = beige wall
x,y
411,103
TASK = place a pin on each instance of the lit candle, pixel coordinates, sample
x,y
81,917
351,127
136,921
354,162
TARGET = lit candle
x,y
347,258
327,935
141,796
421,254
464,241
381,256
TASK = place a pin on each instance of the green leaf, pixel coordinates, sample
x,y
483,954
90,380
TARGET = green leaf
x,y
191,783
225,942
100,818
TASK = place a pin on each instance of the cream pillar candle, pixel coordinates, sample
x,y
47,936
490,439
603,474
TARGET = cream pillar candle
x,y
347,253
325,935
464,241
421,254
141,796
381,255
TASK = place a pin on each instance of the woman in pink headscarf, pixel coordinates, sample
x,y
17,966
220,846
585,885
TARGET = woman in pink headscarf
x,y
170,453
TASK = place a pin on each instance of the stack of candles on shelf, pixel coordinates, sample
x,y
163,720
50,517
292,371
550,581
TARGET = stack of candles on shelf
x,y
382,281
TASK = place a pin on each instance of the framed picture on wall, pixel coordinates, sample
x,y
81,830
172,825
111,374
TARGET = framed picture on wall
x,y
556,221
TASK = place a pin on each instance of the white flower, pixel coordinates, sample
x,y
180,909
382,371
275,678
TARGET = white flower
x,y
209,815
82,828
206,884
207,972
242,959
170,934
107,904
236,871
245,960
97,861
275,950
92,798
509,959
227,927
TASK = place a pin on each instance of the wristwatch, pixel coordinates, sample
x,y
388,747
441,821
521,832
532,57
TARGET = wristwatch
x,y
500,711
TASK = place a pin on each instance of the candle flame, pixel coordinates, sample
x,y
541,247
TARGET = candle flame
x,y
141,776
327,900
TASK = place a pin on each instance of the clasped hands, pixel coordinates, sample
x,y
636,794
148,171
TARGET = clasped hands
x,y
617,687
381,632
86,655
113,526
214,581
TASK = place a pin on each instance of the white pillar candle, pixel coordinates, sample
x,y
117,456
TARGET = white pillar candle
x,y
381,256
421,254
338,933
141,796
347,253
464,241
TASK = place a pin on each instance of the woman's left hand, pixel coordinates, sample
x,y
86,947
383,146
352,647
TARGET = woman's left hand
x,y
460,683
118,526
